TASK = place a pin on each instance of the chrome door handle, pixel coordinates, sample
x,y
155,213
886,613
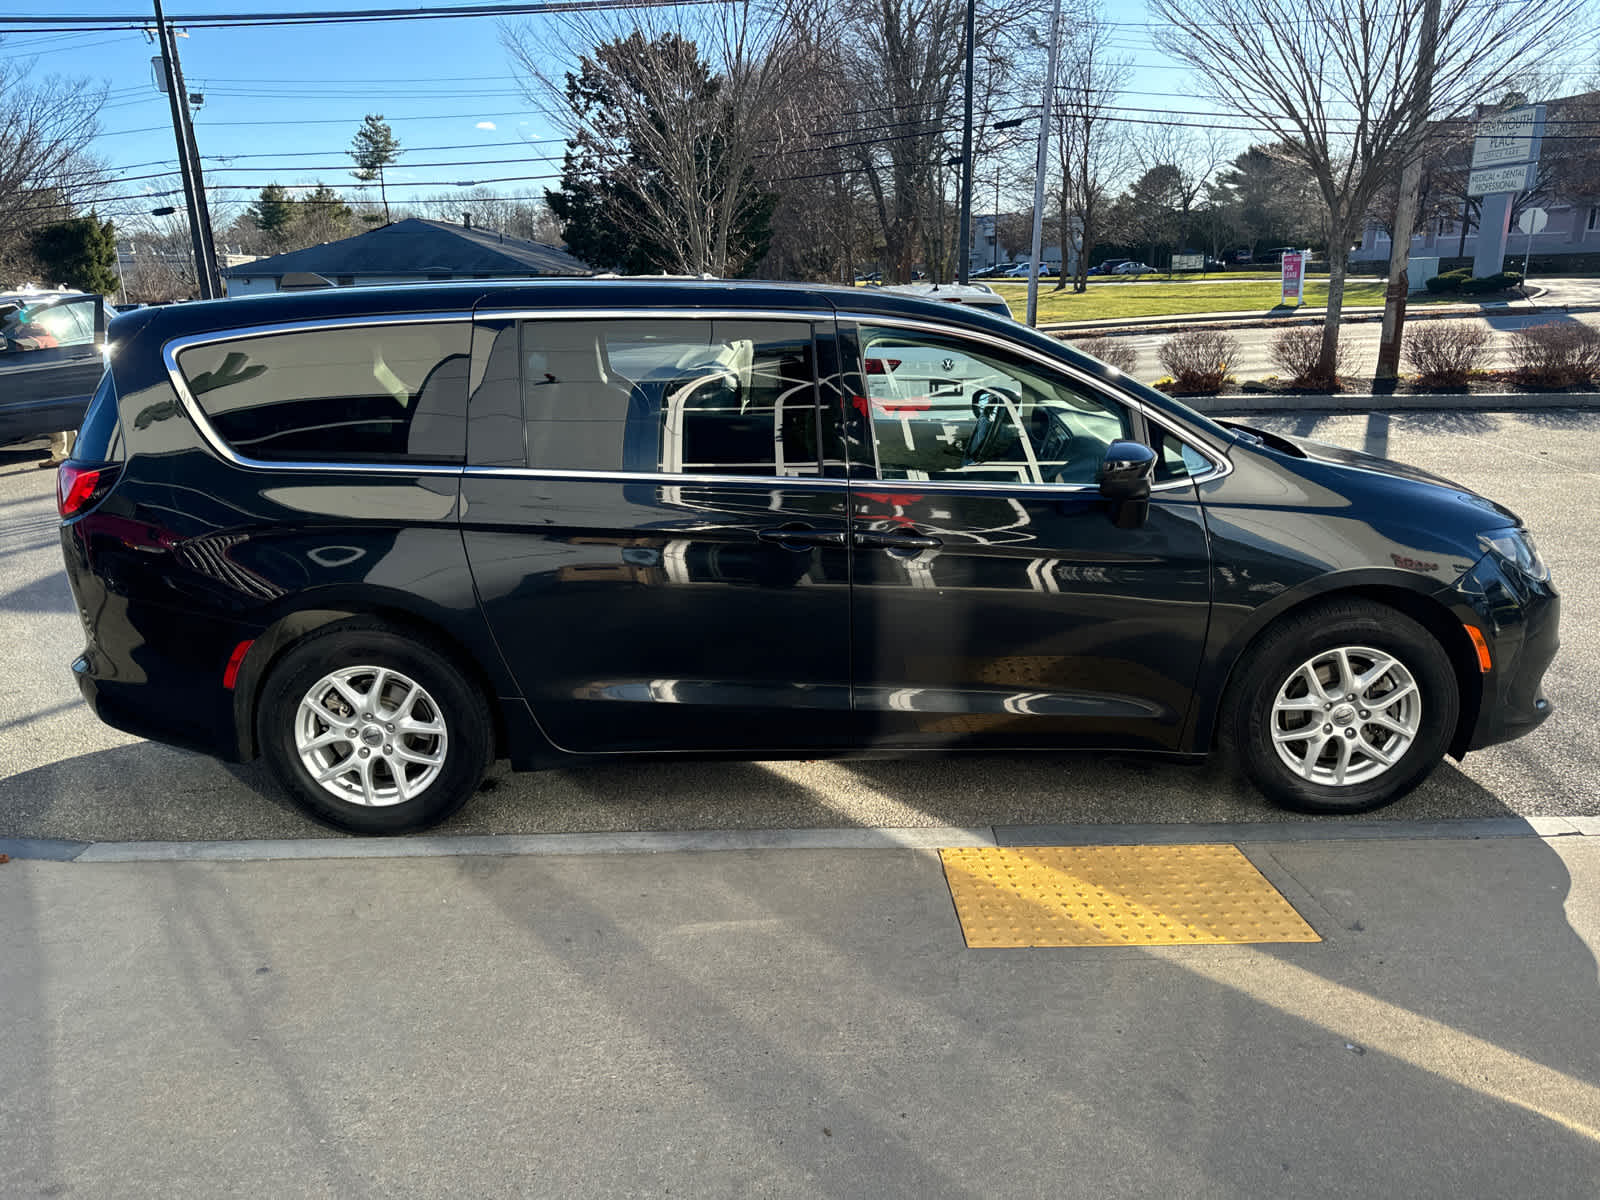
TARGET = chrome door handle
x,y
896,541
800,537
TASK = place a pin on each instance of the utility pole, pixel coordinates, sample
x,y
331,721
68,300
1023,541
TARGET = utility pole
x,y
1394,297
194,192
964,271
1038,170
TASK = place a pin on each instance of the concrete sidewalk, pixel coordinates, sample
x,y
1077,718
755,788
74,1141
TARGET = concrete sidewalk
x,y
796,1022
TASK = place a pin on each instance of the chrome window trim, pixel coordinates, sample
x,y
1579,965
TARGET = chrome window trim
x,y
170,350
1220,464
822,482
652,313
176,346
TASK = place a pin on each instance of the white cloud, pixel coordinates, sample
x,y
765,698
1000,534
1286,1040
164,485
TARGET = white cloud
x,y
485,125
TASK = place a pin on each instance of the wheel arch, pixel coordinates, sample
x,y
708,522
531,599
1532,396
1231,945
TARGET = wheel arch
x,y
293,627
1422,607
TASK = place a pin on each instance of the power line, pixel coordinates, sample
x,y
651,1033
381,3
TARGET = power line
x,y
354,16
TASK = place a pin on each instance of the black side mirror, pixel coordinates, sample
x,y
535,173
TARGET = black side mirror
x,y
1125,481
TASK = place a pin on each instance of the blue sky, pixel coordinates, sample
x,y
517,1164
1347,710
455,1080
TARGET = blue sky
x,y
293,96
282,103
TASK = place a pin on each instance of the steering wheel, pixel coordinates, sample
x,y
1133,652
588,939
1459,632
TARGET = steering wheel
x,y
989,407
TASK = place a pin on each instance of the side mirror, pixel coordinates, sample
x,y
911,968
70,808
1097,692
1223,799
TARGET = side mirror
x,y
1125,473
1125,481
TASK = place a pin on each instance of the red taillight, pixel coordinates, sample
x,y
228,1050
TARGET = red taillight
x,y
76,486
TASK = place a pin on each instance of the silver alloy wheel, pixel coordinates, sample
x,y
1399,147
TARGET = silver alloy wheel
x,y
1346,716
371,736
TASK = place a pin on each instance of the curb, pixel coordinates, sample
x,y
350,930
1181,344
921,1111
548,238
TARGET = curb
x,y
714,841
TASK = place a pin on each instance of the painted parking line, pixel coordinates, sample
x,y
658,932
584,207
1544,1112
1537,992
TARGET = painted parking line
x,y
1049,896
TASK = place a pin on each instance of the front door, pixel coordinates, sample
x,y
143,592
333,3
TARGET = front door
x,y
658,545
995,599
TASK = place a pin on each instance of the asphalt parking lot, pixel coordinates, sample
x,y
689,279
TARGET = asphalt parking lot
x,y
64,775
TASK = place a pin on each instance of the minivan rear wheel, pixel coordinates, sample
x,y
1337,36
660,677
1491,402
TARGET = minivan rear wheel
x,y
373,731
1342,708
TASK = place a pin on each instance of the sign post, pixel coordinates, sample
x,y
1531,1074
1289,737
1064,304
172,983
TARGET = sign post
x,y
1294,277
1532,221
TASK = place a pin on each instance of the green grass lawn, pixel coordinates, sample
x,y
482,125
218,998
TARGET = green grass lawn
x,y
1105,301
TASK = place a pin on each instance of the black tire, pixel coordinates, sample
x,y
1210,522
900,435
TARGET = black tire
x,y
456,702
1247,717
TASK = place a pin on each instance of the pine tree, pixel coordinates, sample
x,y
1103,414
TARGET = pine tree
x,y
374,148
80,252
273,213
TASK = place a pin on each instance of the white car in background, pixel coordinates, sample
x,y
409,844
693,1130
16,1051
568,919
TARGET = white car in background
x,y
973,295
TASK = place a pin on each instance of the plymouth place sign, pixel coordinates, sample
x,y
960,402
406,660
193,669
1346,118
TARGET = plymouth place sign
x,y
1505,161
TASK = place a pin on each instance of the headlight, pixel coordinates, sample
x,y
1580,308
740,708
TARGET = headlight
x,y
1515,546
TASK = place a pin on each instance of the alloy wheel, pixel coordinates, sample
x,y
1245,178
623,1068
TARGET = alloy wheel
x,y
1346,716
370,736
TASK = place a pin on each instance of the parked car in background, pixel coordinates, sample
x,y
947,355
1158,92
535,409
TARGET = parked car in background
x,y
382,536
1134,268
975,295
1108,267
50,360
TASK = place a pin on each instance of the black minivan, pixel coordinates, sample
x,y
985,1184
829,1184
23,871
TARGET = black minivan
x,y
384,536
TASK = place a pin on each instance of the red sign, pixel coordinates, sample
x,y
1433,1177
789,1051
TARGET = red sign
x,y
1294,277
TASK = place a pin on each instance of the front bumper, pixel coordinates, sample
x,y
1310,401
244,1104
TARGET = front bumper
x,y
1520,620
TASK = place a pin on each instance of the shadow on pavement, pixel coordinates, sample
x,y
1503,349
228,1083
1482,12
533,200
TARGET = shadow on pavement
x,y
143,791
820,1020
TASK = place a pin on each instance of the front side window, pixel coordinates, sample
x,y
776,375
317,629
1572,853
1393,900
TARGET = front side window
x,y
680,397
365,393
47,325
934,407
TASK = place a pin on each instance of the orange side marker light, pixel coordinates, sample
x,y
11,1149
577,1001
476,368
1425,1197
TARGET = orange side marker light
x,y
1481,646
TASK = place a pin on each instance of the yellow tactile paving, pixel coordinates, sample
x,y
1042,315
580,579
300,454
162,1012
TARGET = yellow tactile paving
x,y
1116,896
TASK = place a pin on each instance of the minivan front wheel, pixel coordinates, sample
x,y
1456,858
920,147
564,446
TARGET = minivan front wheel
x,y
372,731
1343,708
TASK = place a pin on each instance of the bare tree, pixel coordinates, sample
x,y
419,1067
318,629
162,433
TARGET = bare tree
x,y
678,114
1092,149
901,64
46,173
530,220
1194,156
1332,84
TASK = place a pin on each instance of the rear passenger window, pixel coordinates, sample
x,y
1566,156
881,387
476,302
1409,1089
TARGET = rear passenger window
x,y
369,393
710,397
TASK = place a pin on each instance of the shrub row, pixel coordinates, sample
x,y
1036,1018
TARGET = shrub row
x,y
1556,354
1462,280
1443,354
